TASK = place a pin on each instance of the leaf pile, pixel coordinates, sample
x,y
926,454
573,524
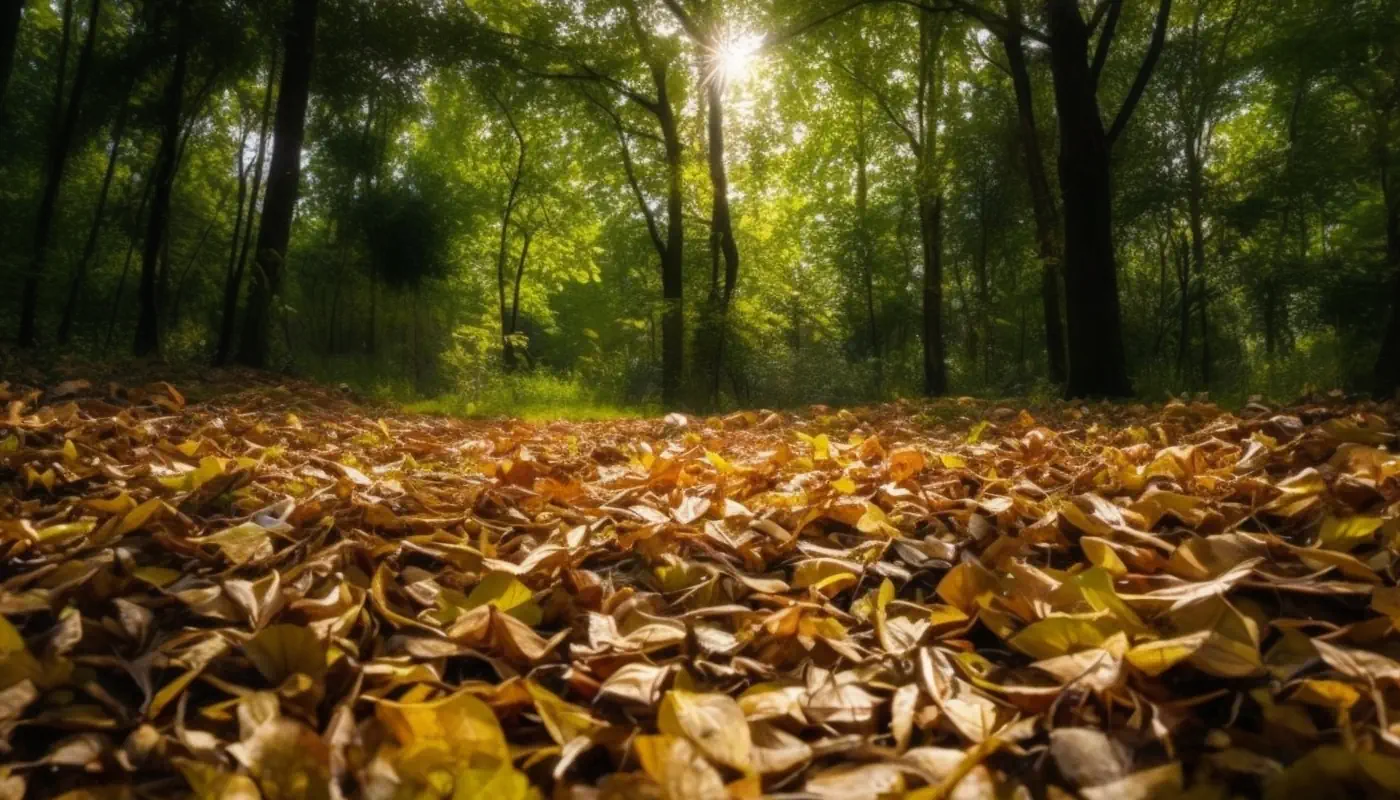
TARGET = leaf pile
x,y
278,594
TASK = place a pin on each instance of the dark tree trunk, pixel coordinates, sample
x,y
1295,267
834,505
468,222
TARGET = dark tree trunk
x,y
64,126
515,297
503,250
924,142
148,323
1183,282
865,246
1097,362
1195,204
722,243
136,218
284,175
10,13
79,277
1047,222
233,286
673,255
1388,365
931,236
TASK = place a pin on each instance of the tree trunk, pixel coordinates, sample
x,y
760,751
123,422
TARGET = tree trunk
x,y
930,199
10,13
865,246
1097,362
79,277
284,175
503,250
1183,337
673,257
1047,222
515,298
64,126
1195,204
722,241
126,265
233,286
931,236
1388,365
148,323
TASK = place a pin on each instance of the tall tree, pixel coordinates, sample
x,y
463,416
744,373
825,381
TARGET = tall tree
x,y
148,339
1045,214
64,128
238,264
1098,363
11,12
284,175
99,214
919,127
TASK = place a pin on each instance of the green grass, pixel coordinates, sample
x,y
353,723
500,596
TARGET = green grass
x,y
537,397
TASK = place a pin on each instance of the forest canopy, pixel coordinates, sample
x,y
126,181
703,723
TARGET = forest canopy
x,y
714,203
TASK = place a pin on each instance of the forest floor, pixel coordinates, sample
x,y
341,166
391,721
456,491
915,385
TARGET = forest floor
x,y
237,586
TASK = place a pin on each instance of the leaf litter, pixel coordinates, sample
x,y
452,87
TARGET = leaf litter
x,y
279,593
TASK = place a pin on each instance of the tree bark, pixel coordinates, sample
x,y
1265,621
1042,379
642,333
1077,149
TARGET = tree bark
x,y
284,175
79,277
925,145
673,254
1097,361
233,286
64,126
865,246
503,250
147,340
1047,222
1388,364
722,243
11,11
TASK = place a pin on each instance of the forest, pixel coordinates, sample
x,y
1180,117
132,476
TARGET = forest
x,y
700,399
714,204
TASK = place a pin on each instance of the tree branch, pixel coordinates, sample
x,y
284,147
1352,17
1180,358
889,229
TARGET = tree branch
x,y
884,104
687,22
1110,27
1144,75
652,227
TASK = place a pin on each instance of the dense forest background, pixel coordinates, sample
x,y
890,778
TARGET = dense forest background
x,y
711,203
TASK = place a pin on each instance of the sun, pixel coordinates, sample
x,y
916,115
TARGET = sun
x,y
735,56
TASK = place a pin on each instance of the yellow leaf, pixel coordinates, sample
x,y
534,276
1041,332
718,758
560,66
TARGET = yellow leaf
x,y
1063,634
1154,658
975,435
844,485
485,777
139,516
70,451
242,543
156,576
564,720
875,523
281,651
714,723
718,462
1346,533
951,461
120,504
457,726
508,594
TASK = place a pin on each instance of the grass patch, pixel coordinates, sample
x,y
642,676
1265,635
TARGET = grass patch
x,y
533,397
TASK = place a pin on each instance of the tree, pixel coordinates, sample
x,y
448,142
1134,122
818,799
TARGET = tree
x,y
148,337
11,12
284,175
1046,215
247,208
